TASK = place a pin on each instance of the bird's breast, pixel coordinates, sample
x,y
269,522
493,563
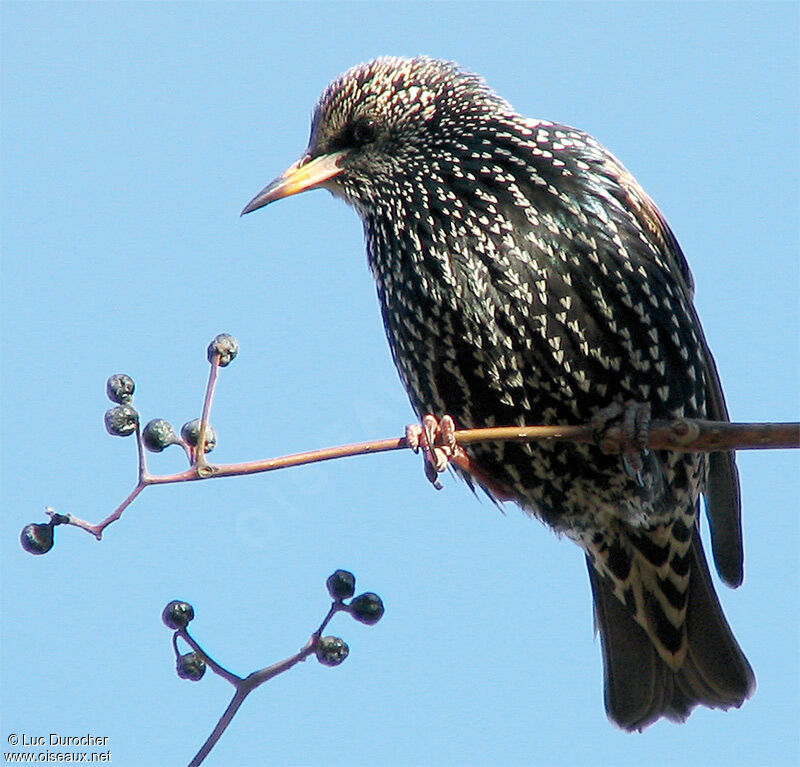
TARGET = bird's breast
x,y
511,323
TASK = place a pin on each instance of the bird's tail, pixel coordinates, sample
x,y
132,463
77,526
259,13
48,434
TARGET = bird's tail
x,y
639,685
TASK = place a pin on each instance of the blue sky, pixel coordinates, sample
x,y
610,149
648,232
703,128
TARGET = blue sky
x,y
132,136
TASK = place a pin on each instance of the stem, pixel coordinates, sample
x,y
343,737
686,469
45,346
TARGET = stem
x,y
97,530
245,686
210,662
681,435
222,725
200,451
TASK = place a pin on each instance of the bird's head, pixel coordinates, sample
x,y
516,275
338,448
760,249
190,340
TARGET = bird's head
x,y
381,121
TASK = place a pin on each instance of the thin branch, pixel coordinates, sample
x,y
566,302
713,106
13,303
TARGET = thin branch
x,y
244,686
681,435
685,435
200,451
97,529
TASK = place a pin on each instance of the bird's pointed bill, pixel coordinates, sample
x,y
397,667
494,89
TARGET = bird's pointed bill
x,y
303,175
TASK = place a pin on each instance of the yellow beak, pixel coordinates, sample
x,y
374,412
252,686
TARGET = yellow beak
x,y
301,176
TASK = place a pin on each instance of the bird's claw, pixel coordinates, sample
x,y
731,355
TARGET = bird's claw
x,y
633,420
436,438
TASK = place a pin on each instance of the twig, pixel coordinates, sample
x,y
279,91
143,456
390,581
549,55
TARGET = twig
x,y
683,435
244,686
200,451
366,608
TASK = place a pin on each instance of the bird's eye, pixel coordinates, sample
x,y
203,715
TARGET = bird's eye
x,y
362,131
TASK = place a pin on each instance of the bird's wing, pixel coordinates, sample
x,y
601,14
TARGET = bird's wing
x,y
722,493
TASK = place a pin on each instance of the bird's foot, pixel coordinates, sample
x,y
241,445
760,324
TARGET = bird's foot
x,y
632,418
436,438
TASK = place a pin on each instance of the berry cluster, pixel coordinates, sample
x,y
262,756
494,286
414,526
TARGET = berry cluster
x,y
365,608
122,420
329,650
158,434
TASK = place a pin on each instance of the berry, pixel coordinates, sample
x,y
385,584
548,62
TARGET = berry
x,y
121,421
331,651
119,388
225,347
190,431
367,608
158,434
177,615
341,585
191,666
37,538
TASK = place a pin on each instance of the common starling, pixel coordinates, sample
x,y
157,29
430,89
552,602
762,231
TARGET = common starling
x,y
524,277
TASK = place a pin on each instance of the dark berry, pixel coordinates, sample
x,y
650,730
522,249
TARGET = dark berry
x,y
225,347
191,666
37,538
177,615
158,434
367,608
121,421
341,585
331,651
119,388
190,431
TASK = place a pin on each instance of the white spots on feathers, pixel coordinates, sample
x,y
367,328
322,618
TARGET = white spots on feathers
x,y
524,275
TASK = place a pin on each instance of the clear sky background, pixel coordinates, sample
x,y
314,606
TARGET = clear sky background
x,y
132,136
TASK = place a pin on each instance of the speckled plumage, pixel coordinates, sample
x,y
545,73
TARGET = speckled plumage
x,y
524,277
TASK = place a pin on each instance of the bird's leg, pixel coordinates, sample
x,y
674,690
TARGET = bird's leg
x,y
437,440
633,420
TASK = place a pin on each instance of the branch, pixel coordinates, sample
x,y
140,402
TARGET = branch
x,y
197,439
366,608
683,435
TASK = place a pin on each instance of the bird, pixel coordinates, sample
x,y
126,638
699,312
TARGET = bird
x,y
524,277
